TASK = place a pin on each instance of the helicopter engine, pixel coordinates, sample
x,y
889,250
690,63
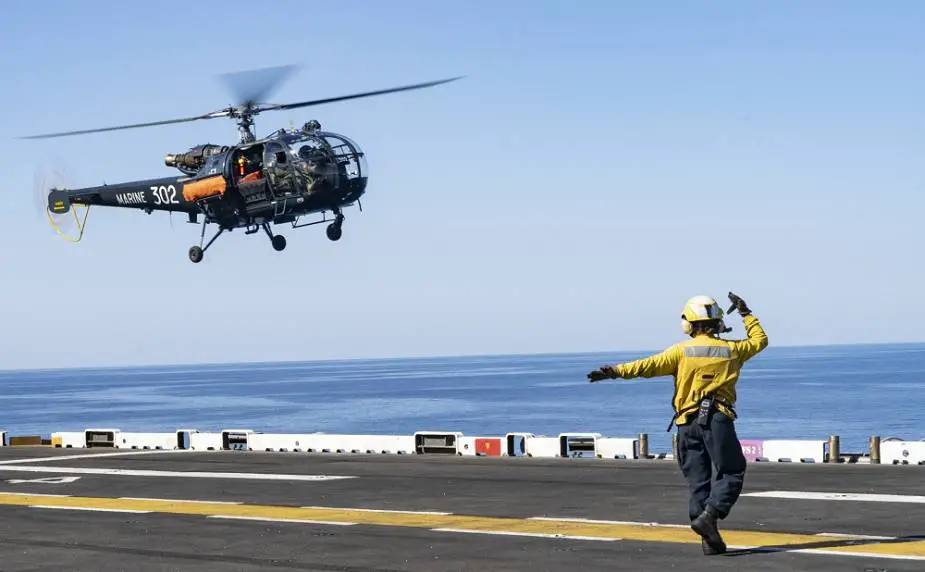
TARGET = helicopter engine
x,y
190,162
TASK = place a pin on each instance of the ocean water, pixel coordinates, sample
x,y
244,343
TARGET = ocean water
x,y
784,393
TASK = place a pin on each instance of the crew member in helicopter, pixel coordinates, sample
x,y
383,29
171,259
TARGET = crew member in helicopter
x,y
317,167
249,170
705,370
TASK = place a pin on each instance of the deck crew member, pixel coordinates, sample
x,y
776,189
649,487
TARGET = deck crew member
x,y
705,370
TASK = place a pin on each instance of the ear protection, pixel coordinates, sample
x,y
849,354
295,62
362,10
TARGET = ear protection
x,y
687,328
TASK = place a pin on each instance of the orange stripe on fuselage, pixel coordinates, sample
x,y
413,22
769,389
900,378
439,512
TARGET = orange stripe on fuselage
x,y
195,190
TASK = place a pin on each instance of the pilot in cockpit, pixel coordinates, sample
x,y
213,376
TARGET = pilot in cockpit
x,y
317,167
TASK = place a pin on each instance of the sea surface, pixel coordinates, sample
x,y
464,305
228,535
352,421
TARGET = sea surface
x,y
784,393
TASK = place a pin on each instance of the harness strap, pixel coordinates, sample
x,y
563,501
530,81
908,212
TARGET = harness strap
x,y
696,407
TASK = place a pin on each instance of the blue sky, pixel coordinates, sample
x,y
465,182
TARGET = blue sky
x,y
601,163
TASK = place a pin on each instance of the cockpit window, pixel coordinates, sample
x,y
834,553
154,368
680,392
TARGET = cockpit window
x,y
311,154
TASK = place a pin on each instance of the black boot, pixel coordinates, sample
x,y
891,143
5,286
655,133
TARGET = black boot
x,y
705,526
707,549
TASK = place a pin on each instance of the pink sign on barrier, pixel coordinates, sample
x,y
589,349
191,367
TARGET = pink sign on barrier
x,y
752,448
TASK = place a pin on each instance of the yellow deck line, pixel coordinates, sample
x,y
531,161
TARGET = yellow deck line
x,y
645,532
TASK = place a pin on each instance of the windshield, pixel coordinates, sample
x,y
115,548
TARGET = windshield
x,y
310,147
348,154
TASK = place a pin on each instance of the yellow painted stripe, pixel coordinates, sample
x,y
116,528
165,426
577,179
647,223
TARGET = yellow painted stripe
x,y
644,532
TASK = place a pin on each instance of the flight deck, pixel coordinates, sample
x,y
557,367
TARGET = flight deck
x,y
223,509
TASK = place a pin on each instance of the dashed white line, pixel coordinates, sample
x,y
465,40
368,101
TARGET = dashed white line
x,y
180,500
271,519
19,494
90,509
860,497
834,552
855,536
381,510
88,456
183,474
594,521
530,534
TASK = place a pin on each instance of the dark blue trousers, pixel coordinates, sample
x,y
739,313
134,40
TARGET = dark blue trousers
x,y
708,452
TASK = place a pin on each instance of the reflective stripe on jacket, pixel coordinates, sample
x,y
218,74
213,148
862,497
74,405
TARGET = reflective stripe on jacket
x,y
701,366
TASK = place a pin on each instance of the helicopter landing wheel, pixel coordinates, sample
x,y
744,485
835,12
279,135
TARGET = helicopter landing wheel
x,y
279,242
195,253
334,231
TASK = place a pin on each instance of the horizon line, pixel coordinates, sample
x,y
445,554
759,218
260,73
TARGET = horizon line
x,y
426,357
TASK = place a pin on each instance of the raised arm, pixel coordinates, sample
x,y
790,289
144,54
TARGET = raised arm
x,y
756,340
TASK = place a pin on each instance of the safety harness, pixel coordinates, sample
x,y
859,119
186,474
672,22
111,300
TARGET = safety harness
x,y
705,409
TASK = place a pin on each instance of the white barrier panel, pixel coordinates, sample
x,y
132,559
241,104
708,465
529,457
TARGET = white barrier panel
x,y
205,441
3,440
439,442
102,437
322,443
69,439
902,452
516,444
482,446
617,448
183,438
235,439
784,451
466,446
542,447
578,445
147,441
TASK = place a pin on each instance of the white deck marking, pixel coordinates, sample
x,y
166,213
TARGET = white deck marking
x,y
531,534
833,552
594,521
860,497
19,494
91,509
763,542
181,500
271,519
44,480
182,474
855,536
88,456
382,510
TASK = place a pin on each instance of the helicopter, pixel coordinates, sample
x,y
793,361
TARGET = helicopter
x,y
252,184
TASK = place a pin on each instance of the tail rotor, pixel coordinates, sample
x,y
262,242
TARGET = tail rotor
x,y
53,203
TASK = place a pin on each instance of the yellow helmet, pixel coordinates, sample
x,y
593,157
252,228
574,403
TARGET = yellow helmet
x,y
701,309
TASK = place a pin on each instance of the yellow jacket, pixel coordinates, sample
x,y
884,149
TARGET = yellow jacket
x,y
701,366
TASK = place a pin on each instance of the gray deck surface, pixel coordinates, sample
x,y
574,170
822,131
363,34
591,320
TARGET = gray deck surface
x,y
504,491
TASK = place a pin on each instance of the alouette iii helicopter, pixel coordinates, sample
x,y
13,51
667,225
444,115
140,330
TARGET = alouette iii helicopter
x,y
254,183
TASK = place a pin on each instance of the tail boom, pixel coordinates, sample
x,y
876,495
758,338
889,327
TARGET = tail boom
x,y
161,194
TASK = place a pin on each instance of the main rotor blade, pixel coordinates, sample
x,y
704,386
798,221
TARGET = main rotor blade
x,y
252,86
223,113
269,107
253,89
